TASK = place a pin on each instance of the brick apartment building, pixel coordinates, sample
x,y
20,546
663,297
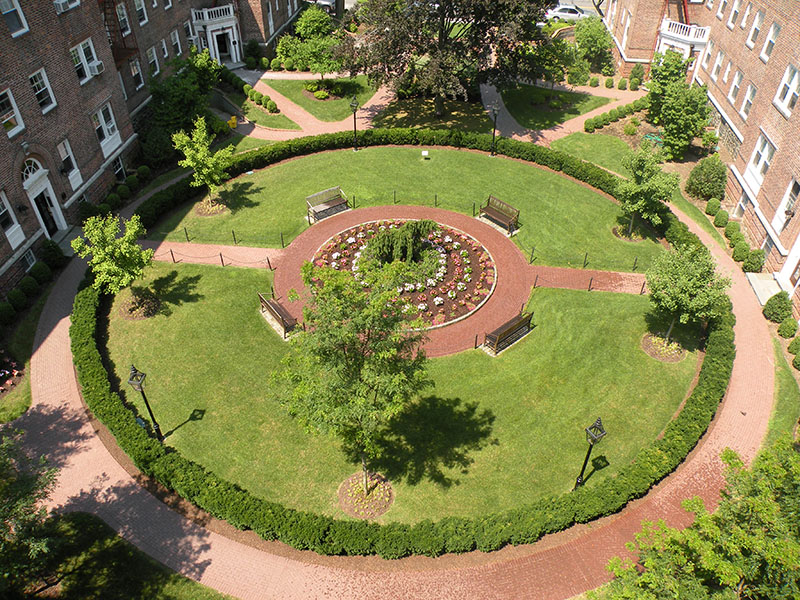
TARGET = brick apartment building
x,y
73,77
747,54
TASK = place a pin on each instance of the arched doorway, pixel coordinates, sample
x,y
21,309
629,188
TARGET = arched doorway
x,y
40,193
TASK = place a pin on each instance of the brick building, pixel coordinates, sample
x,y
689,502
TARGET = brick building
x,y
747,55
73,77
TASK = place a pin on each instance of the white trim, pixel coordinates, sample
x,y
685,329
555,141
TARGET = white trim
x,y
80,52
755,27
64,151
735,12
20,251
152,53
48,87
25,29
725,116
125,16
772,36
759,213
101,169
133,112
747,98
144,10
20,123
14,234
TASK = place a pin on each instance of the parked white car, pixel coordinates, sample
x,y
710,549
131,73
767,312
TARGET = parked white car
x,y
567,12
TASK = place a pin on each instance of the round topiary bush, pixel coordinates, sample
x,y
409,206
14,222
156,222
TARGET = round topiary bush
x,y
113,200
588,126
7,313
289,64
275,64
18,299
635,83
251,62
629,129
132,181
41,272
143,173
778,307
594,81
754,262
103,208
787,328
796,362
29,286
737,238
731,228
272,107
257,97
123,191
610,83
741,251
708,178
712,207
52,254
623,84
794,346
246,88
86,210
265,63
721,218
265,100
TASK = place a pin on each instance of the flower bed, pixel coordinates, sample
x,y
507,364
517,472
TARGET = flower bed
x,y
455,277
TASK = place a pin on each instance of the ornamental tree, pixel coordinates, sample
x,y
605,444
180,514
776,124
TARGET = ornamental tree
x,y
684,285
684,113
356,364
209,168
648,188
594,42
116,260
665,69
442,41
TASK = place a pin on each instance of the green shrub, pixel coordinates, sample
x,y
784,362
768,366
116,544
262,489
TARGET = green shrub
x,y
796,362
708,178
736,238
588,125
113,200
594,81
623,84
275,64
265,64
731,228
41,272
247,88
637,72
610,83
288,64
778,307
629,129
741,251
303,67
103,208
257,97
86,210
272,107
321,95
143,173
18,299
52,254
123,191
713,206
265,100
794,346
614,115
252,48
635,83
252,95
787,328
29,286
721,218
7,313
754,262
311,86
628,109
132,181
251,62
579,72
635,121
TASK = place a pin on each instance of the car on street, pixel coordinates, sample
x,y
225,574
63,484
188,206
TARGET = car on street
x,y
567,12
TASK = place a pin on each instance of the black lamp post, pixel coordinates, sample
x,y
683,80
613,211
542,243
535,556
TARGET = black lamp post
x,y
136,380
354,108
594,433
494,128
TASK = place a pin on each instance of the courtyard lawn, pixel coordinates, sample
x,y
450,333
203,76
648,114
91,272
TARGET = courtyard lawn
x,y
531,105
786,405
603,150
493,433
562,219
332,109
260,116
243,143
419,112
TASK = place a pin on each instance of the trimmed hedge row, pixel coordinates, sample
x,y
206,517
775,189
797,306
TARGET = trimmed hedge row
x,y
615,114
326,535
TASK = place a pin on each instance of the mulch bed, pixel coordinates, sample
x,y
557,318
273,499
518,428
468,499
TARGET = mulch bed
x,y
11,374
136,309
622,233
355,504
655,347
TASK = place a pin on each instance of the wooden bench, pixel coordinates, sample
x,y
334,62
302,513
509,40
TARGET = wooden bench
x,y
503,213
509,332
280,316
325,203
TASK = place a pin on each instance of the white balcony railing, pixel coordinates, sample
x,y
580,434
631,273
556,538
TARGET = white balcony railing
x,y
692,34
204,16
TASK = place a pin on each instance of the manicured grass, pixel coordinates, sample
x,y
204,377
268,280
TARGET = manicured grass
x,y
20,346
530,105
698,216
162,179
243,143
603,150
260,116
325,110
561,218
494,432
97,564
786,407
419,112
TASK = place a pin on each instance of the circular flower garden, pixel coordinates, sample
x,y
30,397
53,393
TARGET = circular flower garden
x,y
449,277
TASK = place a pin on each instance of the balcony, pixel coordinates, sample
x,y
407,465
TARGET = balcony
x,y
685,34
212,16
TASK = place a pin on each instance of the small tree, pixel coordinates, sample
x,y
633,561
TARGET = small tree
x,y
648,189
356,364
594,42
707,180
209,168
684,113
116,261
666,68
313,23
684,285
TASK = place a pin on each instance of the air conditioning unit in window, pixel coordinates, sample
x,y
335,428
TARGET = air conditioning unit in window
x,y
96,67
62,6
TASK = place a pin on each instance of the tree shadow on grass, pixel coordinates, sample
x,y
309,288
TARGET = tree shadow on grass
x,y
641,229
168,291
432,436
691,336
237,195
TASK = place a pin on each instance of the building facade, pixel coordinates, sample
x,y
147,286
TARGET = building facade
x,y
73,76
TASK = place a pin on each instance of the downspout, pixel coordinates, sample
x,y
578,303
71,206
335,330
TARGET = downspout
x,y
686,12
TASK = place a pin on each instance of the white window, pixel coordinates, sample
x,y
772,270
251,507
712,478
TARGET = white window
x,y
747,104
788,91
176,42
167,4
141,11
68,165
766,51
625,31
734,13
9,224
119,169
735,86
9,114
717,65
755,29
709,51
82,55
12,15
155,3
106,129
152,60
709,3
164,51
722,6
759,163
187,30
727,72
136,73
42,91
791,196
72,4
29,259
786,209
122,18
746,15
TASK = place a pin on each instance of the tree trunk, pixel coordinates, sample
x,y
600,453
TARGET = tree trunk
x,y
365,474
438,105
630,226
669,331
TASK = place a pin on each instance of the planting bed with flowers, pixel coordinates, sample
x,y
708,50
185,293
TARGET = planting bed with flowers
x,y
452,276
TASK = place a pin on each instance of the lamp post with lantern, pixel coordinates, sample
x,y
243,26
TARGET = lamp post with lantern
x,y
136,381
594,433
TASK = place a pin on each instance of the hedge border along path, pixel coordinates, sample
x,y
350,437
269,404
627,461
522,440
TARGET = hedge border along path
x,y
330,536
